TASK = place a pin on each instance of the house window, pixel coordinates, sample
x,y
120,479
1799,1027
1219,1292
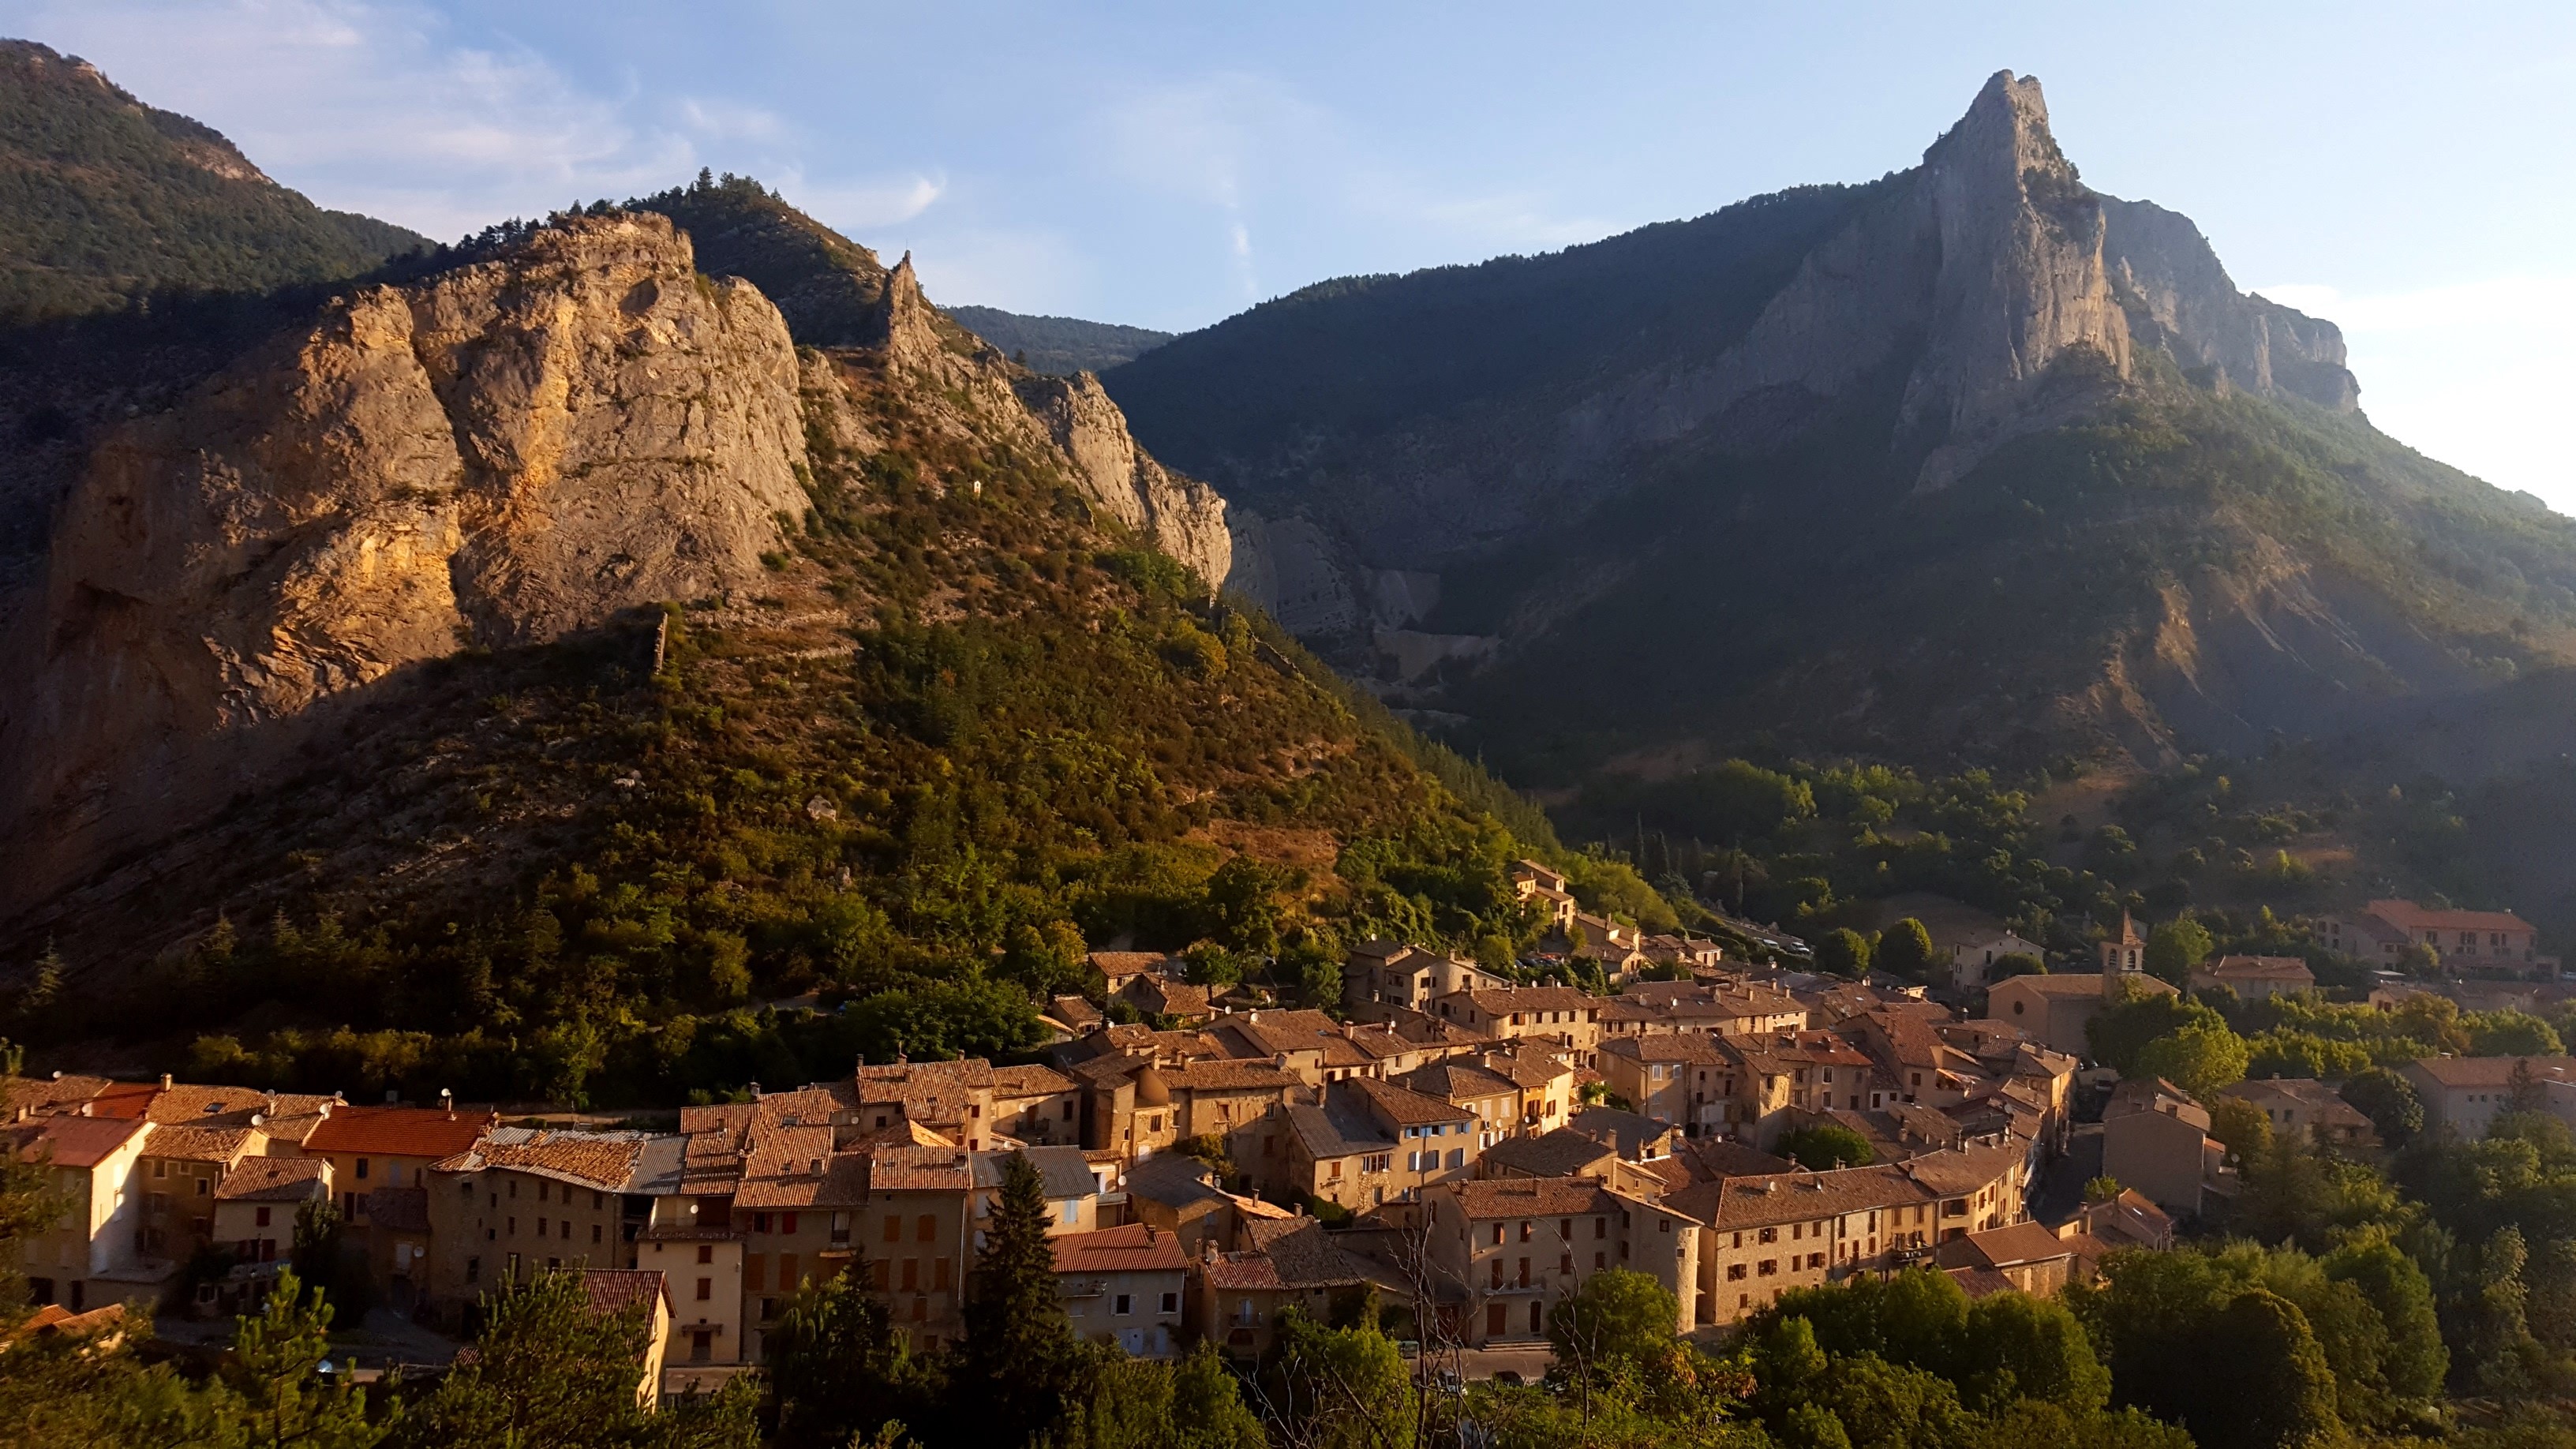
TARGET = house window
x,y
262,1217
1768,1267
1734,1272
706,1252
706,1289
926,1228
362,1169
1171,1303
473,1270
1122,1304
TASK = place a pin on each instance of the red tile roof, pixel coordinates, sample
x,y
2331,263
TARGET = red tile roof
x,y
74,1141
275,1179
615,1290
2408,916
400,1131
1134,1248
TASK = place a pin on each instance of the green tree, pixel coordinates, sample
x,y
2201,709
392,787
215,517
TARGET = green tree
x,y
2200,1058
2175,947
1619,1319
276,1392
838,1368
2015,963
1905,949
2510,1034
2389,1101
1020,1364
1844,952
2122,1029
1826,1145
550,1371
2015,1346
2269,1386
1337,1388
2241,1126
2416,1361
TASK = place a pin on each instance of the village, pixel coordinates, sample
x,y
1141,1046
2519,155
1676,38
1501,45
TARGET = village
x,y
1468,1150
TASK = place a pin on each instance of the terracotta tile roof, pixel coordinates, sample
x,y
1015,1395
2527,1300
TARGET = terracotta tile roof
x,y
1402,1105
1667,1046
598,1160
1229,1076
1253,1272
1561,1153
2004,1247
1134,1248
1302,1255
202,1144
1074,1012
1118,964
1980,1282
275,1179
122,1099
1521,1197
1627,1133
1268,1033
399,1131
1529,1069
1746,1202
914,1169
1957,1174
73,1141
231,1106
1016,1082
1714,1157
50,1094
2492,1071
1156,996
2259,968
1504,1001
617,1290
2408,916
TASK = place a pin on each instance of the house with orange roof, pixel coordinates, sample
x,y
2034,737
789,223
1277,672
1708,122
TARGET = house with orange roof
x,y
89,1256
256,1205
391,1146
1503,1252
1124,1286
647,1295
2483,942
181,1165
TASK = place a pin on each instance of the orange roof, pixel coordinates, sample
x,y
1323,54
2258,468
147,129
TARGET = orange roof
x,y
200,1144
275,1179
1134,1248
74,1141
399,1131
2408,916
614,1290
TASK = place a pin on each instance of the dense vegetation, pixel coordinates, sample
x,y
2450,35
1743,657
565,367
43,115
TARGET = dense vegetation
x,y
1059,344
970,735
104,201
1338,364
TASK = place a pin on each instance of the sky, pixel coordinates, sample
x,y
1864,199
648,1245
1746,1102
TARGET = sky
x,y
2402,170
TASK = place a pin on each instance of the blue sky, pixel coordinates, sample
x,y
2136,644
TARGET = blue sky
x,y
2406,173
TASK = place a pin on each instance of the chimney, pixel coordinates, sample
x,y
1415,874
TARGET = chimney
x,y
393,1095
1150,1234
447,1103
165,1081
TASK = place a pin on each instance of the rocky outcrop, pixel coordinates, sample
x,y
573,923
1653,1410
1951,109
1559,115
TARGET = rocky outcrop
x,y
500,455
2179,297
1181,516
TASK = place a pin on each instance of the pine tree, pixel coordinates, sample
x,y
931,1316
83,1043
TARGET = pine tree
x,y
839,1368
1020,1363
276,1392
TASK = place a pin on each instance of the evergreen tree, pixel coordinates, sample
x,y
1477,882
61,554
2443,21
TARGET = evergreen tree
x,y
1020,1363
1905,949
276,1392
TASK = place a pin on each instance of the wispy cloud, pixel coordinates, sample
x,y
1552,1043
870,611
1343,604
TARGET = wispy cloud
x,y
855,208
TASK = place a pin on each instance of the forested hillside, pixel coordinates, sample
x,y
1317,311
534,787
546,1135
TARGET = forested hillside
x,y
104,200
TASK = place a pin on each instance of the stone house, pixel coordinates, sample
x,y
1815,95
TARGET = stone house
x,y
2027,1256
1379,977
1124,1286
1237,1297
1490,1099
2462,1095
256,1204
2055,1009
2305,1110
89,1257
2255,978
1559,1017
1367,1144
178,1172
524,1200
1036,1105
1545,889
1512,1248
375,1147
2490,942
612,1291
2155,1139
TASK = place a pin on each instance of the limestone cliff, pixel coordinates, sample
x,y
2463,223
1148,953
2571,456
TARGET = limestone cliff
x,y
498,456
1182,516
2179,297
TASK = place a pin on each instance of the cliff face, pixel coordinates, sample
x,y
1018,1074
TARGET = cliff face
x,y
2179,297
507,453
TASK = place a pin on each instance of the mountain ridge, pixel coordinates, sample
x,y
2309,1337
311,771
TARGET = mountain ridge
x,y
1928,371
